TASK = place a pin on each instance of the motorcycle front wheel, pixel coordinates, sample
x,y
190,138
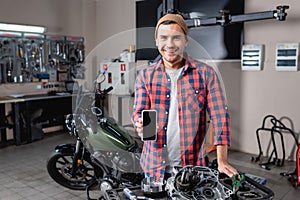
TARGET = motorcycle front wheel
x,y
59,167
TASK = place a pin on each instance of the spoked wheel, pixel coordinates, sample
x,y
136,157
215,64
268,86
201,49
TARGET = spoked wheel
x,y
59,167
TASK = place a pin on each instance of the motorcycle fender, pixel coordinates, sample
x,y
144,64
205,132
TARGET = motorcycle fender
x,y
66,148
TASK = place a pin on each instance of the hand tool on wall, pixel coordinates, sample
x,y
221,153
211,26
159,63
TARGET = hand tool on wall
x,y
9,69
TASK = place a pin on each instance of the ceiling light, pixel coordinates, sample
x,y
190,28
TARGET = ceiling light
x,y
22,28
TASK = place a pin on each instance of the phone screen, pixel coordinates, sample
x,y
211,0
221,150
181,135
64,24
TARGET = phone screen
x,y
149,125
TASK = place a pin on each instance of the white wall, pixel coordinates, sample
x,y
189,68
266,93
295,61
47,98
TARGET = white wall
x,y
269,91
115,22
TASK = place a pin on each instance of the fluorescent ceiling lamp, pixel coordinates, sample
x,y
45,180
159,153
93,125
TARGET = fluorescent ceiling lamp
x,y
22,28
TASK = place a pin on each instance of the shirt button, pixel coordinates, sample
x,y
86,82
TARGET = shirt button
x,y
169,80
168,95
163,162
164,145
197,91
165,128
167,112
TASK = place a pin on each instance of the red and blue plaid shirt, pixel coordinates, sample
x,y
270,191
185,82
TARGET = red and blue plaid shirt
x,y
198,90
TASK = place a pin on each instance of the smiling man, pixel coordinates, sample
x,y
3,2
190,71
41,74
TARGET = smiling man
x,y
181,90
171,42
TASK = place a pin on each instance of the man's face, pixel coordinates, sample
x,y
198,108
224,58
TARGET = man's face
x,y
171,42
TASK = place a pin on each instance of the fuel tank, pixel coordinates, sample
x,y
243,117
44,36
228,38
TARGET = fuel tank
x,y
108,135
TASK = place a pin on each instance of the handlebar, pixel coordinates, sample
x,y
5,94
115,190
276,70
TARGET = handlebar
x,y
103,93
108,89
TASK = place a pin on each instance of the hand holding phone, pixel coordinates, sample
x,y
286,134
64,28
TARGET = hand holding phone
x,y
149,125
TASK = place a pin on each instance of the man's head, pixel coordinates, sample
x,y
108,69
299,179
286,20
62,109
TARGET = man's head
x,y
176,18
171,39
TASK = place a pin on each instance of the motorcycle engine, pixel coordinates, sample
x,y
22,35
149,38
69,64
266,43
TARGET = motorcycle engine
x,y
196,182
122,162
125,161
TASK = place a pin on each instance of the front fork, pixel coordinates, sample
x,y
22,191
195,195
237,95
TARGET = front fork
x,y
77,159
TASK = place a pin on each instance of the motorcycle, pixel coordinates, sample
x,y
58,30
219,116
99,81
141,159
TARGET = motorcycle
x,y
104,155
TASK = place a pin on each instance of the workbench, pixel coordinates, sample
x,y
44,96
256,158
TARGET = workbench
x,y
24,106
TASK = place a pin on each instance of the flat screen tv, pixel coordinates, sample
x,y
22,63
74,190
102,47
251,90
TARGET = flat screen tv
x,y
207,42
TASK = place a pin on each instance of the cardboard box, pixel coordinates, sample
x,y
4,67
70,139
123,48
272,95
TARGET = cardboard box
x,y
120,75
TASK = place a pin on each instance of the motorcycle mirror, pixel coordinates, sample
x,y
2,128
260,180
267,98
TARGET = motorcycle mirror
x,y
100,78
96,111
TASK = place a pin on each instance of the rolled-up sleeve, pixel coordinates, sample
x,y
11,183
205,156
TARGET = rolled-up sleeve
x,y
218,110
141,99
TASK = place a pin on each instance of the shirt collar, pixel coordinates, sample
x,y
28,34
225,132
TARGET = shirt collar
x,y
189,64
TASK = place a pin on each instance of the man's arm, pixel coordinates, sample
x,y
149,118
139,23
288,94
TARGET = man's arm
x,y
217,109
222,158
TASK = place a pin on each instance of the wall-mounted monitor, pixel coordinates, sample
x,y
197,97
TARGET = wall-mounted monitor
x,y
210,42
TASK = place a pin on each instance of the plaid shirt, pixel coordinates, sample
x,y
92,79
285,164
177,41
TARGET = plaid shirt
x,y
198,90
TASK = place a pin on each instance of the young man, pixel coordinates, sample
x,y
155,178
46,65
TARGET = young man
x,y
181,90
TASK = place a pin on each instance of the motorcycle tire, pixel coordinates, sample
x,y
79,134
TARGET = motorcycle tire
x,y
59,166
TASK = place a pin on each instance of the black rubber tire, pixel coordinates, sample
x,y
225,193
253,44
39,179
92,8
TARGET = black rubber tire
x,y
58,166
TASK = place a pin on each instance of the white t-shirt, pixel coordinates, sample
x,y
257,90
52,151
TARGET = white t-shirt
x,y
173,129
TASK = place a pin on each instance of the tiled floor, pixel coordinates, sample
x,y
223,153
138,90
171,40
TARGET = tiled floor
x,y
23,173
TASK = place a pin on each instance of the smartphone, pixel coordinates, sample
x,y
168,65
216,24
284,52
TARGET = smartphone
x,y
149,125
